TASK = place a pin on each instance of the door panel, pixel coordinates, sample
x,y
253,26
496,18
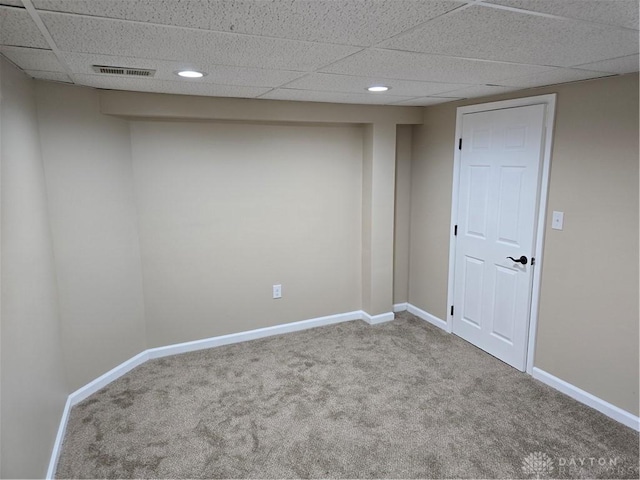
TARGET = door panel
x,y
473,287
479,177
504,303
509,205
499,182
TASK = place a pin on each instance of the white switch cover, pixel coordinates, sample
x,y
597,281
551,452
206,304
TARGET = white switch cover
x,y
277,291
557,221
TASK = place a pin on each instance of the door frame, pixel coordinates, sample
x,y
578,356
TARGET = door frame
x,y
549,101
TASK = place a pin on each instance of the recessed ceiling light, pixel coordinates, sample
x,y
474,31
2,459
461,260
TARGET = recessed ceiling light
x,y
190,74
378,88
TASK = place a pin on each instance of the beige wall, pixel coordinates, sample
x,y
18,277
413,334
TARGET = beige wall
x,y
588,321
137,105
34,387
87,158
431,179
229,209
379,169
402,215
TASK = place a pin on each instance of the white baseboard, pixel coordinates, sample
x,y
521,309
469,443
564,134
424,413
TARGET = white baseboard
x,y
400,307
105,379
57,445
432,319
84,392
252,334
376,319
610,410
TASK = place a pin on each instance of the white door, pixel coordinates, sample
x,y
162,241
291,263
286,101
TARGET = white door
x,y
500,171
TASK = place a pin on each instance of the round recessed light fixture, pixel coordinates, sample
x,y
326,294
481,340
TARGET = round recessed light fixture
x,y
190,74
378,88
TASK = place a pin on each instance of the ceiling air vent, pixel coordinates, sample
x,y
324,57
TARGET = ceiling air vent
x,y
128,71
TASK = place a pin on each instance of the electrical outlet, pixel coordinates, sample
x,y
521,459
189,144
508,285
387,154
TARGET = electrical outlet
x,y
557,220
277,291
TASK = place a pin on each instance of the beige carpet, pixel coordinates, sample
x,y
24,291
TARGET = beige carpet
x,y
397,400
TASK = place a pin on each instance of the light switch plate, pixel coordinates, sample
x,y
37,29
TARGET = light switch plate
x,y
557,220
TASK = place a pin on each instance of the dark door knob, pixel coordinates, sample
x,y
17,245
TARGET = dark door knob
x,y
523,260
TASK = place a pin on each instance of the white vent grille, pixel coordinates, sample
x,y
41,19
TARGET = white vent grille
x,y
128,71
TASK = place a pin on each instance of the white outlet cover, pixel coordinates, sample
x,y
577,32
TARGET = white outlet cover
x,y
557,221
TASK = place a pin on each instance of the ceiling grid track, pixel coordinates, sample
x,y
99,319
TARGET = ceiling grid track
x,y
31,10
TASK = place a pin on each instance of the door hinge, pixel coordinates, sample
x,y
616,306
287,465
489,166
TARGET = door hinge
x,y
452,310
455,230
460,144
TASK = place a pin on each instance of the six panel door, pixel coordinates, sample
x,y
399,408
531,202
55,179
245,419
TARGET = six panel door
x,y
500,167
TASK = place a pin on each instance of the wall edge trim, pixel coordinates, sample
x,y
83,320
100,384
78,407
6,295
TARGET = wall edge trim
x,y
400,307
588,399
57,445
248,335
376,319
426,316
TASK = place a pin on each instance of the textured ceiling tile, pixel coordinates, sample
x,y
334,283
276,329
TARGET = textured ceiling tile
x,y
163,86
17,28
349,84
32,58
191,13
428,68
352,22
53,76
424,101
623,13
333,97
16,3
478,91
626,64
552,77
493,34
165,70
73,33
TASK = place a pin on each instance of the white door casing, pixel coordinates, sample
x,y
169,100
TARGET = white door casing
x,y
499,201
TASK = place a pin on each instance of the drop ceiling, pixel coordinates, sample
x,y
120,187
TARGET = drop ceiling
x,y
426,51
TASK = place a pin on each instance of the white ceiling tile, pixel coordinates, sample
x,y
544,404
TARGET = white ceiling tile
x,y
164,86
425,101
428,68
344,21
32,58
195,14
626,64
478,91
332,97
17,28
350,84
552,77
74,33
623,13
495,34
53,76
351,22
165,70
16,3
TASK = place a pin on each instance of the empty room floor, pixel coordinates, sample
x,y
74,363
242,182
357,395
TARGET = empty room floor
x,y
398,400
